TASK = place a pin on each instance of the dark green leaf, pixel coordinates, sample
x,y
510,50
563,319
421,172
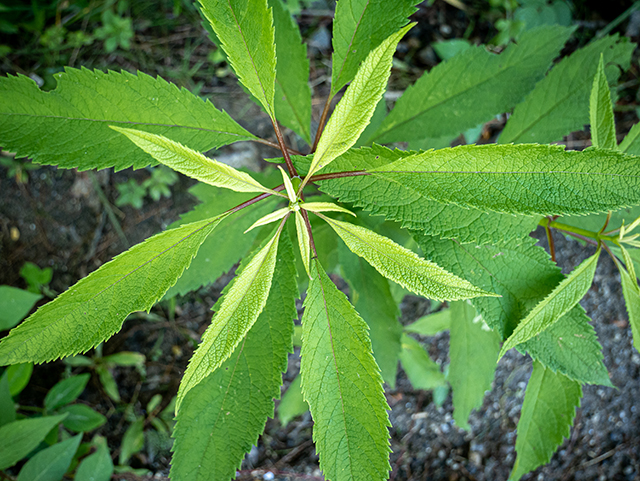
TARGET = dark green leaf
x,y
15,304
96,467
51,463
132,441
65,392
82,418
7,406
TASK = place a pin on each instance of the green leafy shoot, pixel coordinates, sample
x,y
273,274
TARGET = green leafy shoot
x,y
631,143
304,242
276,215
561,300
603,127
631,293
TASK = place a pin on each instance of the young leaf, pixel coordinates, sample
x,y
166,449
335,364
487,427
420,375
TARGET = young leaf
x,y
81,418
51,463
292,95
603,127
353,112
371,296
402,265
631,143
560,301
93,309
221,418
521,179
473,351
448,100
342,384
132,441
548,411
304,241
241,306
69,126
420,369
359,27
631,294
19,438
96,467
269,218
14,305
292,403
246,33
431,324
65,392
325,207
555,107
192,163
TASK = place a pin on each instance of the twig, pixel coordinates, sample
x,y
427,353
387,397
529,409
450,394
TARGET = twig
x,y
276,146
283,147
552,247
323,119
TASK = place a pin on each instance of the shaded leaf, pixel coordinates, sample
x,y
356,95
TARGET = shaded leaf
x,y
420,369
51,463
292,403
132,441
431,324
97,466
19,438
631,294
631,143
7,406
66,391
15,304
82,418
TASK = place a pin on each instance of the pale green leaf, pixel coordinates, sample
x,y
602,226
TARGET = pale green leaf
x,y
353,112
631,143
66,391
221,418
304,242
523,179
557,105
402,265
472,88
246,33
69,126
595,222
371,296
14,305
549,408
359,27
420,369
473,352
269,218
631,294
342,384
292,94
292,403
603,127
192,163
523,274
288,185
431,324
239,309
94,309
97,466
19,438
560,301
324,207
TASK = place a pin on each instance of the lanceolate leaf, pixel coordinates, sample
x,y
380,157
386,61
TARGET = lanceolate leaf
x,y
631,143
431,324
448,100
292,95
222,417
521,179
560,301
69,126
192,163
420,369
524,275
359,27
473,352
342,384
51,463
239,309
556,106
603,127
246,33
631,294
353,112
402,265
92,310
304,241
371,296
547,415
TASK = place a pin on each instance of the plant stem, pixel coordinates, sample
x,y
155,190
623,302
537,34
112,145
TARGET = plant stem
x,y
323,119
338,175
586,235
283,148
552,246
312,243
276,146
254,200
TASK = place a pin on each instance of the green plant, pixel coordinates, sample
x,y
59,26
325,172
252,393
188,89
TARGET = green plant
x,y
469,209
116,29
157,186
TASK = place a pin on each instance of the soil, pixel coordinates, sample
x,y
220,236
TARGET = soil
x,y
62,224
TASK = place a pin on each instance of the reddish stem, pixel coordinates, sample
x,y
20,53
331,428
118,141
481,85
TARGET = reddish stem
x,y
552,247
284,149
276,146
323,119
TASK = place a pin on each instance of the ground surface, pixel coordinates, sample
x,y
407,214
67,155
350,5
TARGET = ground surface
x,y
62,224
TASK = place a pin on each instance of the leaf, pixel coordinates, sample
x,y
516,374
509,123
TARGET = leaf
x,y
7,406
396,201
69,126
125,358
108,383
548,411
18,376
192,163
94,309
19,438
473,352
132,441
631,143
292,94
560,301
65,392
239,309
555,107
402,265
353,112
431,324
82,418
324,207
221,418
14,305
51,463
342,384
371,297
359,27
523,274
270,218
521,179
292,403
449,100
97,466
603,127
631,294
246,33
420,369
304,241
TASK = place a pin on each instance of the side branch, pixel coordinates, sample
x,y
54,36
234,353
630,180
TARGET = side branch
x,y
276,146
323,120
284,149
